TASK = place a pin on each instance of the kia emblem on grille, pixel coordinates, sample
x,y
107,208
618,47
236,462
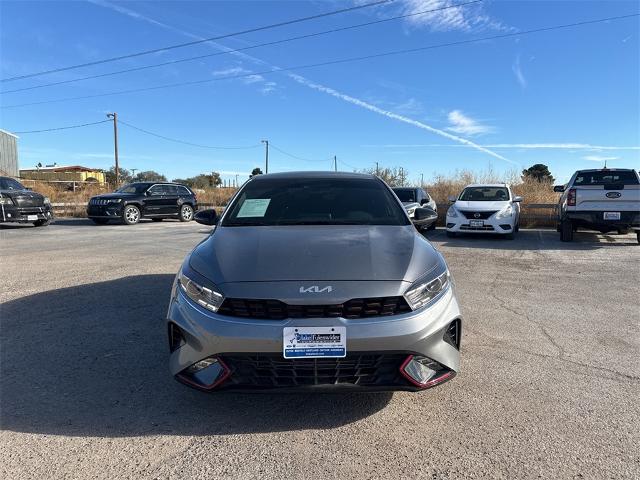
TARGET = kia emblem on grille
x,y
316,289
476,215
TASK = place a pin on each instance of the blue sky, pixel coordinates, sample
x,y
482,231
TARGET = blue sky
x,y
567,98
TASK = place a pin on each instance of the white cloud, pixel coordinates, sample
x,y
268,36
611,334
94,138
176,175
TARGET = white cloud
x,y
465,125
598,158
464,18
517,71
230,71
253,79
551,146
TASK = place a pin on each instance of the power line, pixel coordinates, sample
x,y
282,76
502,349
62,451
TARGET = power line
x,y
185,142
295,156
196,42
62,128
333,62
345,163
276,42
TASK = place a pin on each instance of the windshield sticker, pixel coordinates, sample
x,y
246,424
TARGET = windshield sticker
x,y
254,207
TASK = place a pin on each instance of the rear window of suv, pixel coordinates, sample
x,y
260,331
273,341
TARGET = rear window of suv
x,y
624,177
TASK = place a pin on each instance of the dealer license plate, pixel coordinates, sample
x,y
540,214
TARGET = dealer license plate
x,y
31,218
476,223
314,342
612,215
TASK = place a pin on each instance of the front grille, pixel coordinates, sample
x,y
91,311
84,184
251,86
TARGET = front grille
x,y
453,333
28,200
98,201
271,370
483,228
277,310
480,215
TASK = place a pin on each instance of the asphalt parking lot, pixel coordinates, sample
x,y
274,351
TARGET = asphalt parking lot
x,y
549,383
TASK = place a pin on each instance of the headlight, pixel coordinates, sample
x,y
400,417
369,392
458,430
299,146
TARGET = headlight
x,y
411,211
115,200
428,289
452,212
47,201
207,296
505,212
6,201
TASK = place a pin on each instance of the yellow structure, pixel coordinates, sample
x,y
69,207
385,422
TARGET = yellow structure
x,y
73,173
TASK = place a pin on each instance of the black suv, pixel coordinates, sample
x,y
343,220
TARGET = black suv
x,y
19,204
134,201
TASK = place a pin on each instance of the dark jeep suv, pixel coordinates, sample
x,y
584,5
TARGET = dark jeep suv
x,y
139,200
19,204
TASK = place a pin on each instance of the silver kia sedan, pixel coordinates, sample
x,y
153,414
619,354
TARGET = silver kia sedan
x,y
314,281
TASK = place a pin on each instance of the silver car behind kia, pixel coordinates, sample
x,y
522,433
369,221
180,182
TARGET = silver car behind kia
x,y
314,280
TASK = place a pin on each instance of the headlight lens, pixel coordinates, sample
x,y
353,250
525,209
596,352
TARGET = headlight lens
x,y
208,297
452,212
6,201
411,211
47,200
115,200
505,212
426,290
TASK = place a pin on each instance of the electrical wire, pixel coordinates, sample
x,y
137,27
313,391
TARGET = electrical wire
x,y
197,42
185,142
62,128
334,62
271,145
276,42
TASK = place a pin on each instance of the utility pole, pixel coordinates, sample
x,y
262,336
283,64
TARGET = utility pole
x,y
266,156
335,163
236,180
377,170
422,180
133,171
114,116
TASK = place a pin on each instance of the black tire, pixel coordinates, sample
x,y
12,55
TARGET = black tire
x,y
451,234
130,215
157,219
186,213
566,231
41,223
638,235
517,228
100,221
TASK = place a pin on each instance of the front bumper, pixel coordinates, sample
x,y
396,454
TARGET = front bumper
x,y
105,211
491,225
11,213
247,346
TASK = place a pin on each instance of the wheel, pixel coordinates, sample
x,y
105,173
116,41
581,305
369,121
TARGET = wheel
x,y
41,223
131,215
566,231
451,234
517,228
100,221
157,219
186,213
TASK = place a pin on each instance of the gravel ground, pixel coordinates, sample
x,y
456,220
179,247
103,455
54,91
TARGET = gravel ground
x,y
549,383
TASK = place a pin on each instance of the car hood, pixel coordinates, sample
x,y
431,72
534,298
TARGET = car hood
x,y
480,206
294,253
26,194
107,196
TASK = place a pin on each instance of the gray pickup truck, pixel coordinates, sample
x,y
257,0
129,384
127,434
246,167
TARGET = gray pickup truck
x,y
605,200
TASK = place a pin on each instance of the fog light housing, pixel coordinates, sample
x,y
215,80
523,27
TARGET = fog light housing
x,y
205,374
424,372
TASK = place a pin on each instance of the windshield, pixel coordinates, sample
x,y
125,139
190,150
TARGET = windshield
x,y
625,177
133,188
405,194
484,194
10,184
317,201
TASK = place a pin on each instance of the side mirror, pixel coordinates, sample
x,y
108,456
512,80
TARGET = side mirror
x,y
206,217
517,199
558,188
452,199
424,216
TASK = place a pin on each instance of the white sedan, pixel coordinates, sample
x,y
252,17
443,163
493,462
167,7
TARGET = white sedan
x,y
484,208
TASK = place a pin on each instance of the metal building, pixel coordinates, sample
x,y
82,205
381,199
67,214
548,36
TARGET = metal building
x,y
8,154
